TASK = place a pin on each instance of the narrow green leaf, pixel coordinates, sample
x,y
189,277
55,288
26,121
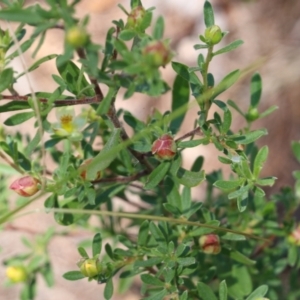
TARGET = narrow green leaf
x,y
143,233
109,289
205,292
157,175
151,280
82,252
200,46
229,47
6,79
266,181
97,244
18,118
73,275
255,89
209,18
203,230
233,237
172,194
225,83
296,149
157,296
233,105
23,48
226,121
249,137
223,290
98,163
245,168
189,178
14,105
186,261
105,104
180,98
158,30
190,144
28,15
127,34
242,190
268,111
292,255
33,144
259,160
227,185
258,293
241,282
224,160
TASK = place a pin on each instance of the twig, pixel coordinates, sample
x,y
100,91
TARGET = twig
x,y
191,133
14,166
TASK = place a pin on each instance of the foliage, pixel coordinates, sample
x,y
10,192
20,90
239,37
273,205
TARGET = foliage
x,y
233,244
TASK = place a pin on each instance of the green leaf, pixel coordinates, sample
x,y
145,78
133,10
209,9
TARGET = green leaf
x,y
127,34
229,47
14,105
186,261
240,282
226,121
223,290
28,15
204,230
259,292
259,161
233,237
225,160
157,175
227,185
23,48
200,46
225,83
245,168
292,255
232,104
143,233
82,252
268,111
97,244
6,78
266,181
151,280
73,275
189,178
180,98
205,292
249,137
157,296
255,89
172,194
18,118
105,104
209,18
183,71
241,258
190,144
109,289
158,30
98,163
73,77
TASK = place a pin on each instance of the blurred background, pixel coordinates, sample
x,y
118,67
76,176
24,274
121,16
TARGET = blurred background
x,y
271,34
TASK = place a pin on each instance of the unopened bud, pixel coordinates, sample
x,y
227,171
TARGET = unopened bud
x,y
82,170
16,274
294,237
252,114
77,37
25,186
90,267
210,244
135,18
164,148
213,35
158,53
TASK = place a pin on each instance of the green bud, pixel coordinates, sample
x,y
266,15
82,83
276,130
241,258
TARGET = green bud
x,y
213,35
90,267
157,53
252,114
77,37
135,18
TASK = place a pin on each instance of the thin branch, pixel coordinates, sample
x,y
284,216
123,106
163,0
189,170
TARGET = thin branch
x,y
56,103
197,130
14,166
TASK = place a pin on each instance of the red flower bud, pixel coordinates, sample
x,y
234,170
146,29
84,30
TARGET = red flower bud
x,y
158,53
25,186
82,170
164,147
210,244
135,18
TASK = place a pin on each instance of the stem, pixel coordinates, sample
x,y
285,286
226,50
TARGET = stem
x,y
191,133
145,217
13,165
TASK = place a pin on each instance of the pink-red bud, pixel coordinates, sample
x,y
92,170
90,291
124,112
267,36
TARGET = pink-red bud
x,y
25,186
158,53
210,244
164,148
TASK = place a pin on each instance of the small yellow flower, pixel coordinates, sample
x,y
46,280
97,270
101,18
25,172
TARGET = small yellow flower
x,y
68,125
16,274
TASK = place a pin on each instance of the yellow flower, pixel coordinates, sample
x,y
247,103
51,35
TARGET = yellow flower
x,y
68,125
16,274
